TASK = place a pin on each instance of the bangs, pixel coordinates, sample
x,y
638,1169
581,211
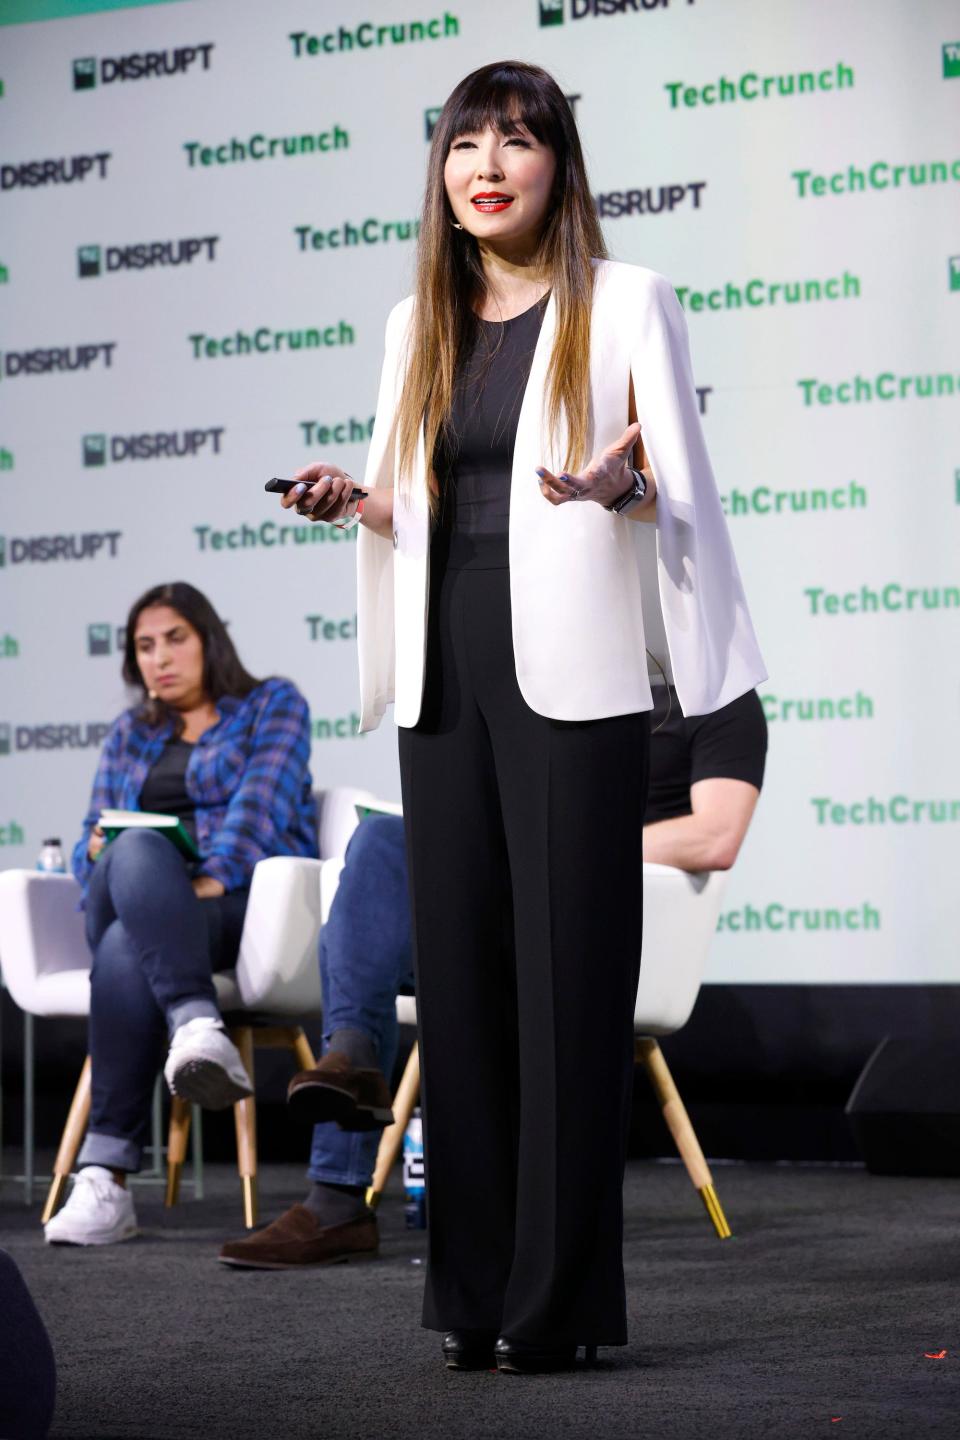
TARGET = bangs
x,y
501,101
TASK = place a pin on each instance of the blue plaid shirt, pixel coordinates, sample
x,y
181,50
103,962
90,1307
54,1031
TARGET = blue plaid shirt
x,y
248,777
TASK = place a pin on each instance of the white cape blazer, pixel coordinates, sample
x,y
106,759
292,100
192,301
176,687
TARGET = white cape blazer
x,y
589,591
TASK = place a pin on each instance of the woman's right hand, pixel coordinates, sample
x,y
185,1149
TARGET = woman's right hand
x,y
96,842
322,492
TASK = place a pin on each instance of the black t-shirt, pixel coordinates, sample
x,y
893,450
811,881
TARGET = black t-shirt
x,y
474,456
165,788
730,744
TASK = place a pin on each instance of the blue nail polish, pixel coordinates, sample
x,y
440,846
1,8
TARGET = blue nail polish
x,y
541,473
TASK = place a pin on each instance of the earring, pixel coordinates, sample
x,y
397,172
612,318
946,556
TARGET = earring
x,y
456,224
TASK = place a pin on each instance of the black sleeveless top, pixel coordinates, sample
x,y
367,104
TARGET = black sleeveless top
x,y
474,455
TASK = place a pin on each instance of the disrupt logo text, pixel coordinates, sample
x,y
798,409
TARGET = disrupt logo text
x,y
95,259
54,172
52,737
66,357
40,549
101,637
552,11
652,200
141,65
159,445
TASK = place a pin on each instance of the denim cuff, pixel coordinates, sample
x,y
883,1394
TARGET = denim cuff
x,y
111,1152
324,1175
178,1015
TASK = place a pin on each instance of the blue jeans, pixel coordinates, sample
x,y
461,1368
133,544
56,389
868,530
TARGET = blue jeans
x,y
155,947
365,961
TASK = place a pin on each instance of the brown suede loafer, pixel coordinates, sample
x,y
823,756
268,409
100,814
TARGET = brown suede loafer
x,y
335,1090
297,1241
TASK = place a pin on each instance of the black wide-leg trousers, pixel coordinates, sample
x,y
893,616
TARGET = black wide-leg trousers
x,y
524,841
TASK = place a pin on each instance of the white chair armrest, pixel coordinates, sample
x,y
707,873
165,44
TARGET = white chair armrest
x,y
43,948
278,969
679,919
338,817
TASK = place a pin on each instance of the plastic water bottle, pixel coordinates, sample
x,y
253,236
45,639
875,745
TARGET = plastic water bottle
x,y
414,1181
50,859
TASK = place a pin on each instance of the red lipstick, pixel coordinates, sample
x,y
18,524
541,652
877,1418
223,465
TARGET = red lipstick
x,y
489,202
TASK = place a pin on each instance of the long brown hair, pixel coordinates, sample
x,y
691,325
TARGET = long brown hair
x,y
450,278
223,670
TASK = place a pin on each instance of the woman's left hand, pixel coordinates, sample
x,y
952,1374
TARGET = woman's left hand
x,y
604,480
206,888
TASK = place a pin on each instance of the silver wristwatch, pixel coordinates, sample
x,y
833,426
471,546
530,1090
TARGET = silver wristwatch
x,y
634,495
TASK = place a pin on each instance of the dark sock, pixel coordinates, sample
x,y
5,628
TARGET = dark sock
x,y
357,1046
335,1204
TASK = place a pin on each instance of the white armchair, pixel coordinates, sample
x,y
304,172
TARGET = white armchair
x,y
679,919
46,967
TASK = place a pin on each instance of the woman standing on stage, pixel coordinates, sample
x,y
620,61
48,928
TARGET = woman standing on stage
x,y
500,605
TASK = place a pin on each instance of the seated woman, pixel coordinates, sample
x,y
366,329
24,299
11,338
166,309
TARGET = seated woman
x,y
228,755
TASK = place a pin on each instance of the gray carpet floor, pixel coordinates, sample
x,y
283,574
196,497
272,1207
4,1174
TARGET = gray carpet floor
x,y
816,1318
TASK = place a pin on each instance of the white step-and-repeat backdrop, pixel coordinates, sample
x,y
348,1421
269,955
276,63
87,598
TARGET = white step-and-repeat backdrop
x,y
208,208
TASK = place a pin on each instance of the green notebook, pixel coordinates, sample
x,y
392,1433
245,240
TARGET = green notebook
x,y
113,821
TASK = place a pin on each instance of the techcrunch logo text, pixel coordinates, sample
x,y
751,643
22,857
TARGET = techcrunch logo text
x,y
553,12
845,707
66,357
367,36
760,294
951,60
892,599
881,175
887,385
263,147
93,260
761,500
652,200
366,232
269,535
339,727
341,432
31,173
269,342
782,917
159,445
12,833
898,810
43,549
751,86
141,65
323,628
9,647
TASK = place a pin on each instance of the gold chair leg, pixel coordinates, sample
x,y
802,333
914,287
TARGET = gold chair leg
x,y
177,1137
408,1092
77,1118
650,1055
303,1051
245,1120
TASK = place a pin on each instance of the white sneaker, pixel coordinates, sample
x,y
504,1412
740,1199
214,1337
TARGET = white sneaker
x,y
204,1065
98,1212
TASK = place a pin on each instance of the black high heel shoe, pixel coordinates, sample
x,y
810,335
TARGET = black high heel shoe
x,y
468,1349
519,1357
